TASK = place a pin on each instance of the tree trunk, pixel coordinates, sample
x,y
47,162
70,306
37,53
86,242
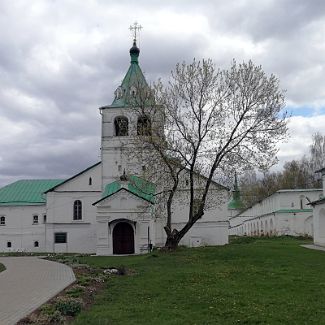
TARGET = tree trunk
x,y
172,240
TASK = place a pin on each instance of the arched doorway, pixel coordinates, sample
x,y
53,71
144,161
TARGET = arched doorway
x,y
123,238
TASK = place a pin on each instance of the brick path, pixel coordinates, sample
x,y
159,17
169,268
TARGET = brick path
x,y
27,283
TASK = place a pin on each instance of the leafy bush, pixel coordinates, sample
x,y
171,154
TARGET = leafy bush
x,y
55,318
76,291
68,306
84,280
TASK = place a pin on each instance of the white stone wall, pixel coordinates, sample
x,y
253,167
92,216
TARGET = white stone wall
x,y
20,229
319,219
81,234
81,238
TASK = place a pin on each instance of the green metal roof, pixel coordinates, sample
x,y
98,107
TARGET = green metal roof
x,y
135,185
111,189
26,192
142,188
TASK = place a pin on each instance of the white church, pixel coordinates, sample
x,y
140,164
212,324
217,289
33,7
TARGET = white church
x,y
101,210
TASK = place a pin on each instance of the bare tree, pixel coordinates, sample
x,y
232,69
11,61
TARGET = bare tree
x,y
214,122
317,151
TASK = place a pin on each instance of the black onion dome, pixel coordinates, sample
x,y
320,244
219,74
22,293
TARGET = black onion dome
x,y
134,52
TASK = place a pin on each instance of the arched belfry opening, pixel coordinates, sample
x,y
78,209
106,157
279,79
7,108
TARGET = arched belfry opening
x,y
123,238
144,126
121,125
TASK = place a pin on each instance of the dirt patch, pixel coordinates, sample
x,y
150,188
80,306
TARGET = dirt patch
x,y
64,307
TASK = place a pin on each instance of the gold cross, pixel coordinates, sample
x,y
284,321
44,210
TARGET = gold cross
x,y
135,28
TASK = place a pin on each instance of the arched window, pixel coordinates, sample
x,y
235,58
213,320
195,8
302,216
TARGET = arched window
x,y
77,210
144,126
90,181
121,125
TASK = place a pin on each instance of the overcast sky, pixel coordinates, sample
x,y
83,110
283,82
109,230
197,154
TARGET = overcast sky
x,y
61,60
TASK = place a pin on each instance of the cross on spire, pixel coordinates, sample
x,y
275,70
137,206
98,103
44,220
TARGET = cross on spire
x,y
135,29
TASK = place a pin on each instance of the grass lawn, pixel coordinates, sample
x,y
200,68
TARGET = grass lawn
x,y
265,281
2,267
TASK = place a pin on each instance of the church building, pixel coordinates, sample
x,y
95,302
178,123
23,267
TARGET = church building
x,y
103,209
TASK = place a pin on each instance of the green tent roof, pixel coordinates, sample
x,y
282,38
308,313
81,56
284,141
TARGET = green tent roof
x,y
236,202
133,78
136,185
27,192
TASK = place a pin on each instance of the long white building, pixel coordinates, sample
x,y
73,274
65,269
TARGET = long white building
x,y
285,212
101,209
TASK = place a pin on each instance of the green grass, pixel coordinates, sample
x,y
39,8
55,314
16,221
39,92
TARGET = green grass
x,y
264,281
2,267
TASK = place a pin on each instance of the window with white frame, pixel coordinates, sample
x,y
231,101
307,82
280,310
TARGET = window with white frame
x,y
2,221
77,210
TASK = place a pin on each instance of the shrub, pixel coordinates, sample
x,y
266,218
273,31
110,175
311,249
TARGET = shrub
x,y
55,318
76,291
84,280
68,306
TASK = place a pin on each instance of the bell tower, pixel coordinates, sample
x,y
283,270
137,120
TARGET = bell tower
x,y
120,122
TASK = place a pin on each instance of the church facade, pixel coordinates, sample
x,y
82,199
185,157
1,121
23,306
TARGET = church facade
x,y
104,209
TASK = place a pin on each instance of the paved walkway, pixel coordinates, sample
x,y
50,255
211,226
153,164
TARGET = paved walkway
x,y
27,283
311,246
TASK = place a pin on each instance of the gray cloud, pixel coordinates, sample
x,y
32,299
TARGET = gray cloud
x,y
60,62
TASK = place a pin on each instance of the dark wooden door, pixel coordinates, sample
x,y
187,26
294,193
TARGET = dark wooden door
x,y
123,239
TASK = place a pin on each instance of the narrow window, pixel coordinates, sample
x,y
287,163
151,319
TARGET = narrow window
x,y
187,182
36,243
77,210
90,181
2,221
144,168
60,238
8,244
196,206
144,126
121,125
44,218
35,220
302,197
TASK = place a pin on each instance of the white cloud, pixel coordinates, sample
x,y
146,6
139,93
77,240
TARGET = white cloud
x,y
301,130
